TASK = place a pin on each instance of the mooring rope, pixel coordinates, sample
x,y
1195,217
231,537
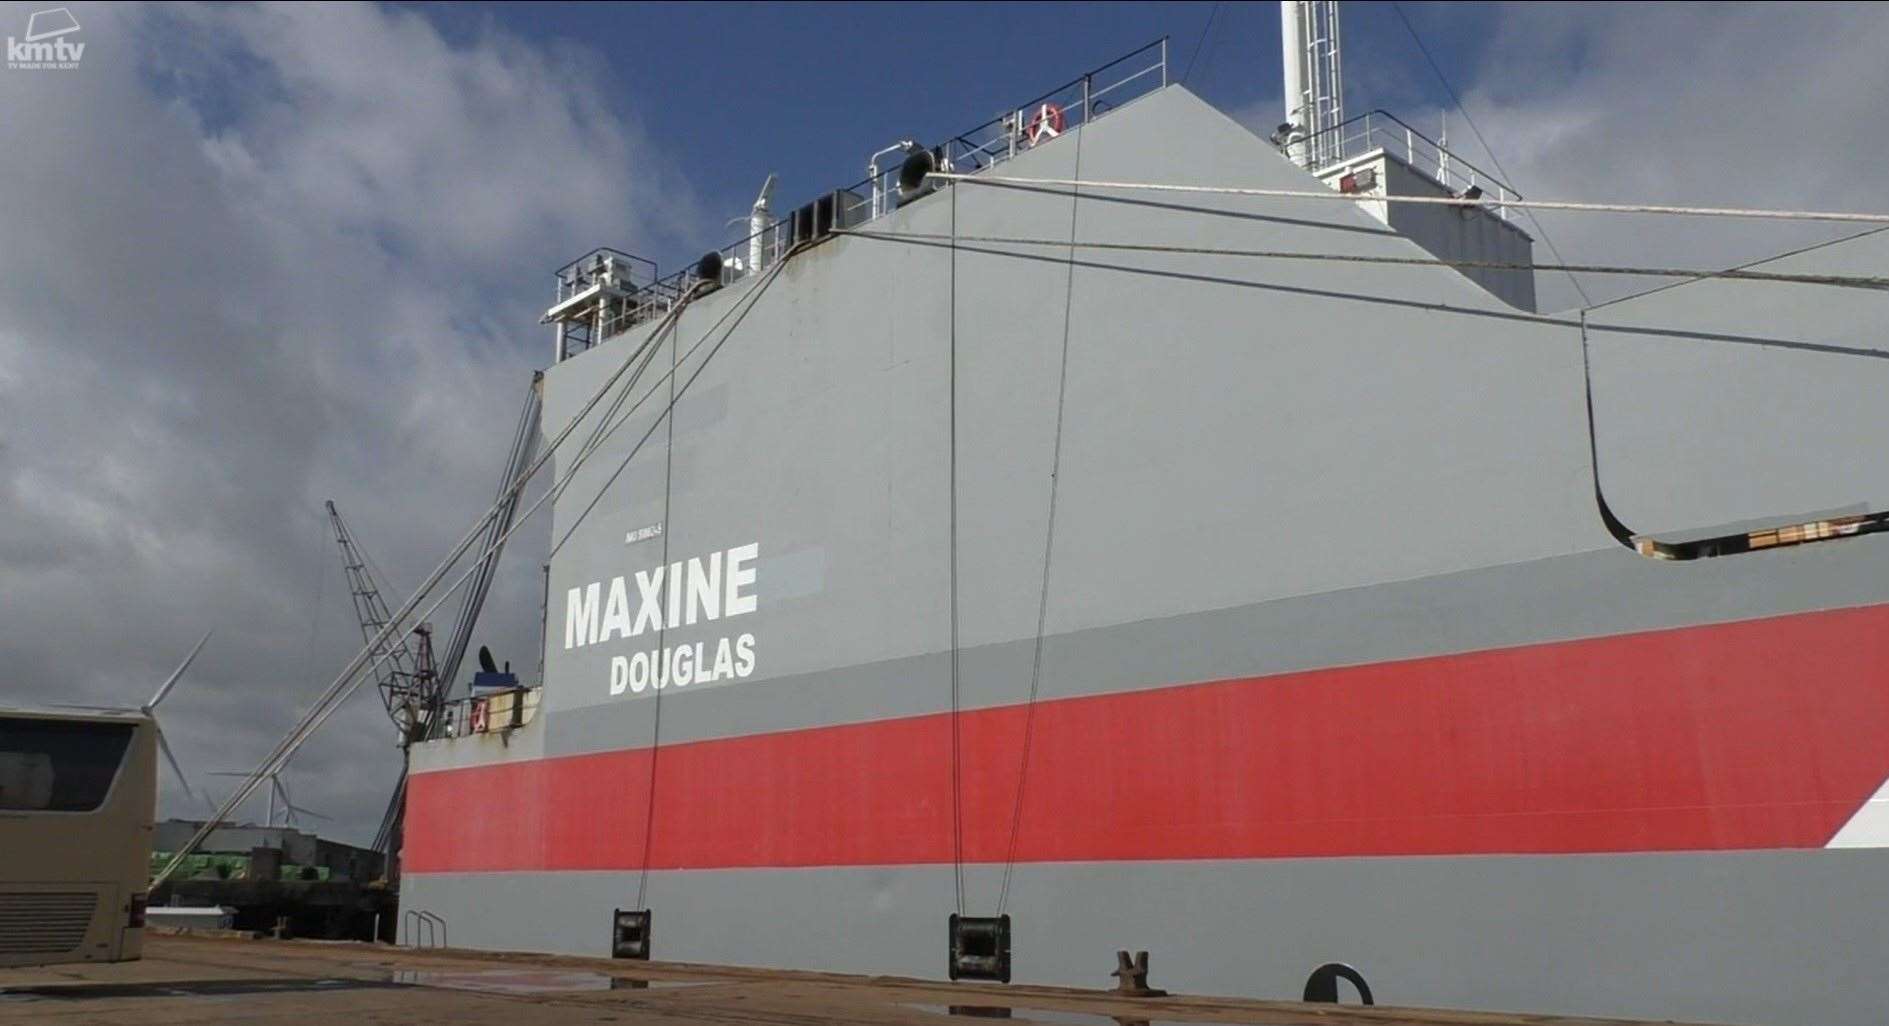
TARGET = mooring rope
x,y
1329,195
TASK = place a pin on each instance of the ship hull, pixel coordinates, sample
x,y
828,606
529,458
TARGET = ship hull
x,y
1256,614
1629,823
1735,937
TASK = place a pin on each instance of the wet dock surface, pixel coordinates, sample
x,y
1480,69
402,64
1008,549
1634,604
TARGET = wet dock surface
x,y
202,980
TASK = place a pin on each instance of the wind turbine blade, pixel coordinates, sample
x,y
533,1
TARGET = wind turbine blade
x,y
165,747
165,688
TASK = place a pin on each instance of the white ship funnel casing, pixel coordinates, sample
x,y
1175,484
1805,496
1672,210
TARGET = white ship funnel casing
x,y
1309,517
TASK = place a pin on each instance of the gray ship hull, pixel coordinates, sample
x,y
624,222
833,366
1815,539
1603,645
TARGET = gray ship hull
x,y
1733,937
1327,652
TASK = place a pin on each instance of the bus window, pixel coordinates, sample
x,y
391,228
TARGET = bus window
x,y
59,765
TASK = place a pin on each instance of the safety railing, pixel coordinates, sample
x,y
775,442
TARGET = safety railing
x,y
423,929
604,266
1068,106
495,712
1065,108
1381,130
598,295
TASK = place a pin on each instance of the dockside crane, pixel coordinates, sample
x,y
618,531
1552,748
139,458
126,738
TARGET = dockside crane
x,y
411,689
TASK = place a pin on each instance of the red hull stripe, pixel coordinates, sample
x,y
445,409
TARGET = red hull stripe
x,y
1759,734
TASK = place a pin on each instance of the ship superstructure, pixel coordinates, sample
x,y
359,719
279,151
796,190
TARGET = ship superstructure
x,y
985,577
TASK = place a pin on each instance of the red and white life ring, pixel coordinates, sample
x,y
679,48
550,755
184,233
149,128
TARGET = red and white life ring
x,y
478,716
1046,123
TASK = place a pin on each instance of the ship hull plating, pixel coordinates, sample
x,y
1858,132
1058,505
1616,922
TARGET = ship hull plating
x,y
1705,937
1325,653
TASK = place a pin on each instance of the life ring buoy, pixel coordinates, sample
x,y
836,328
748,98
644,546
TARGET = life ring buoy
x,y
478,716
1046,123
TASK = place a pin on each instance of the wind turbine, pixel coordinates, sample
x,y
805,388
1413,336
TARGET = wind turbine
x,y
150,709
278,791
289,807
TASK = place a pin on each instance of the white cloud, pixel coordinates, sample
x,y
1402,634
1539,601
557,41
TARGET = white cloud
x,y
1696,104
1754,105
257,257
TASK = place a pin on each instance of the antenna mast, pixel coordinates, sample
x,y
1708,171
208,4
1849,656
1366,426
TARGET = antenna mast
x,y
1314,82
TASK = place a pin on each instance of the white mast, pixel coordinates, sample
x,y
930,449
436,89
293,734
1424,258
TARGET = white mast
x,y
1292,52
757,226
1314,81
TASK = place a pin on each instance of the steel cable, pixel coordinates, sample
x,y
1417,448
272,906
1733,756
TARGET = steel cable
x,y
1451,201
662,633
348,680
957,784
1493,159
1733,274
1049,540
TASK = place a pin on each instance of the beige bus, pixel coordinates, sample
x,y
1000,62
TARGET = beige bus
x,y
78,792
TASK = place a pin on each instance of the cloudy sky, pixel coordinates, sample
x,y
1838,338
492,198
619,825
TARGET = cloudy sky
x,y
254,258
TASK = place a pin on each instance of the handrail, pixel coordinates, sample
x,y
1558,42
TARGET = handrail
x,y
985,146
574,276
456,720
1448,168
411,922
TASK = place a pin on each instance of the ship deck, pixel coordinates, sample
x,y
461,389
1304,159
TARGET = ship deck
x,y
195,979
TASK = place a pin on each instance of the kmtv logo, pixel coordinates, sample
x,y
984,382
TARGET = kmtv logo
x,y
46,47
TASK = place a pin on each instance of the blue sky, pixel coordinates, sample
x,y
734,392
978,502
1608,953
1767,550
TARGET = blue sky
x,y
730,92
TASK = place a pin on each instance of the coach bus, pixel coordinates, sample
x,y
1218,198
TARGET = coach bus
x,y
78,793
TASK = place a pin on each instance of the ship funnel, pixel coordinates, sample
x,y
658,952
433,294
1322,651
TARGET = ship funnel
x,y
709,267
915,176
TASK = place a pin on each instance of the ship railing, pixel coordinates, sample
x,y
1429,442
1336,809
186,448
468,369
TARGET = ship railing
x,y
1077,102
1358,137
1074,103
490,713
616,285
604,265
